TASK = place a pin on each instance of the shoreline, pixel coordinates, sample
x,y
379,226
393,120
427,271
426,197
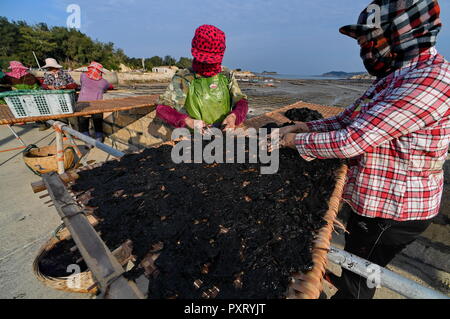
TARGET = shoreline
x,y
267,96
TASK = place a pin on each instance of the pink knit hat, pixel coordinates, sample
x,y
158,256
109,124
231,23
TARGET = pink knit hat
x,y
18,70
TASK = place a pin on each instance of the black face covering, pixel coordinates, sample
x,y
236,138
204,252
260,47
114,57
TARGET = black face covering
x,y
404,30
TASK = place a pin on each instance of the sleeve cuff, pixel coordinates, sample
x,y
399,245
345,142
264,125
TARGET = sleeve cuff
x,y
315,126
300,144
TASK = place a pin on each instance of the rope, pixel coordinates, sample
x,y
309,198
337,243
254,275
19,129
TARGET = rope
x,y
57,230
24,152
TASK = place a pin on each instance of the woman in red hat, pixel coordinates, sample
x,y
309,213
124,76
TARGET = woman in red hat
x,y
206,94
19,78
93,85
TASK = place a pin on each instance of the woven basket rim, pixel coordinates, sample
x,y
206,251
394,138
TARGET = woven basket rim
x,y
86,279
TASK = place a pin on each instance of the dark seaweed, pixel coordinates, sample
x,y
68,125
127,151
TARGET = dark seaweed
x,y
303,115
56,261
225,219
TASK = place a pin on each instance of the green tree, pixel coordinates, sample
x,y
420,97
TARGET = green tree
x,y
184,63
69,47
34,39
168,60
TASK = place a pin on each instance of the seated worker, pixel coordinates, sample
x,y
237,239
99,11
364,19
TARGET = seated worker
x,y
93,85
207,93
19,78
56,78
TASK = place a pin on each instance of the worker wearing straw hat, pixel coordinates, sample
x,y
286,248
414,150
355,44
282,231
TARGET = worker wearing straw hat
x,y
396,135
56,78
93,85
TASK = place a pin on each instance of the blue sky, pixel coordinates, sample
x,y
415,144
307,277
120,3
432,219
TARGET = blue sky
x,y
287,36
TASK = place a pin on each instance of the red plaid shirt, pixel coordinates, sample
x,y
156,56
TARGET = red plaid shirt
x,y
397,138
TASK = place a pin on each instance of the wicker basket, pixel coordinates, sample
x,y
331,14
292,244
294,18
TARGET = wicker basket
x,y
85,282
25,103
42,160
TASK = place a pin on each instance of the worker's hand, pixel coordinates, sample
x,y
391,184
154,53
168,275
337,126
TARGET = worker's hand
x,y
288,140
196,125
298,127
276,141
230,122
285,136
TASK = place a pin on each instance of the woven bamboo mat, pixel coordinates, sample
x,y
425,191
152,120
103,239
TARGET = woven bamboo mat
x,y
307,285
85,108
278,117
310,285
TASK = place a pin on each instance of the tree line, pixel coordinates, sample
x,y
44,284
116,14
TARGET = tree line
x,y
70,47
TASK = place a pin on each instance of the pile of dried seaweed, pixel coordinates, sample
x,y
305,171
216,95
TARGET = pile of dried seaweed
x,y
226,230
55,262
303,114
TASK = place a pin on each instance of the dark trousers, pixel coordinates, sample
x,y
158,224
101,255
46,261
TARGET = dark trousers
x,y
83,123
377,240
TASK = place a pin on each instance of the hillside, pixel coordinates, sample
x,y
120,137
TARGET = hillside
x,y
70,47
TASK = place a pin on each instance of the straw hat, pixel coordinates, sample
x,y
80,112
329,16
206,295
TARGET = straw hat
x,y
51,63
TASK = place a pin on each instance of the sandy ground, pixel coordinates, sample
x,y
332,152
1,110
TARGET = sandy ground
x,y
26,222
340,93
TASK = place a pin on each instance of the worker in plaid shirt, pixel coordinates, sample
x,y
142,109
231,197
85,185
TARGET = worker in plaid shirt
x,y
396,135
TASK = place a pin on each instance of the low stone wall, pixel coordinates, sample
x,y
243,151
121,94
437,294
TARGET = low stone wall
x,y
125,78
136,129
129,78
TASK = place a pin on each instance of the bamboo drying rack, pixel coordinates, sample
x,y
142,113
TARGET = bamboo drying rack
x,y
307,285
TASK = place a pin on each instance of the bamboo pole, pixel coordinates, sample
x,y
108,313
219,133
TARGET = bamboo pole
x,y
59,147
89,140
386,278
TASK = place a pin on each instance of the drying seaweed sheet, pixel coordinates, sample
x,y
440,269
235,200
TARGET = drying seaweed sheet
x,y
223,230
55,262
303,115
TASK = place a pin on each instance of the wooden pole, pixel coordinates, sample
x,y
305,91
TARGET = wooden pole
x,y
37,62
59,149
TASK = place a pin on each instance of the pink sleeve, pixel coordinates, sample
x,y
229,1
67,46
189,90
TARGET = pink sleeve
x,y
107,86
171,116
240,110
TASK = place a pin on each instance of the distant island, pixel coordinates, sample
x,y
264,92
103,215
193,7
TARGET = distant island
x,y
341,74
268,73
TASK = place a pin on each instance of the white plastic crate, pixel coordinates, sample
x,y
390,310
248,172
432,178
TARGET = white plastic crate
x,y
26,103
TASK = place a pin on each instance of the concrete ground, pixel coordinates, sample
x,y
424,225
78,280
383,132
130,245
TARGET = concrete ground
x,y
26,223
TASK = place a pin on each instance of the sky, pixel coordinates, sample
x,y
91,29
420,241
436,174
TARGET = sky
x,y
287,36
